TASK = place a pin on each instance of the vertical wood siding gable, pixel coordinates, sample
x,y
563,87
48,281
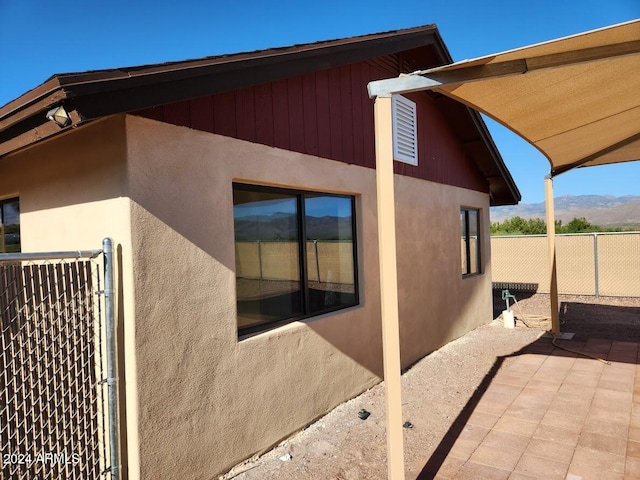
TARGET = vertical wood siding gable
x,y
328,114
263,95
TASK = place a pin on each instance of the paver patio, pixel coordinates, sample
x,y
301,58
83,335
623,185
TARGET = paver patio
x,y
546,413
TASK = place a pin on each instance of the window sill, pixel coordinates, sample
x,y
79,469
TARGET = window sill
x,y
472,275
258,330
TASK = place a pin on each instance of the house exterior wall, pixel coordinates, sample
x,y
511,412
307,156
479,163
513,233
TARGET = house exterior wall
x,y
204,394
429,266
73,194
192,390
69,188
207,399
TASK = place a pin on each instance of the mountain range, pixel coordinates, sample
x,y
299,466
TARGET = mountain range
x,y
284,227
603,210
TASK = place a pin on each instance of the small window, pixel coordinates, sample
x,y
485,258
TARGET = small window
x,y
295,255
470,241
10,226
405,130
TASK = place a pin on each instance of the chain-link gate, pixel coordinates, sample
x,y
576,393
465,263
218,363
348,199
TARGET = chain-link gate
x,y
58,417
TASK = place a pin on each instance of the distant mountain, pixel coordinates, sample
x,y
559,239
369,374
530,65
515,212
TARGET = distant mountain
x,y
278,226
603,210
284,227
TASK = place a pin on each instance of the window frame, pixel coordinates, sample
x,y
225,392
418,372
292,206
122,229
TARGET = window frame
x,y
466,236
302,255
3,201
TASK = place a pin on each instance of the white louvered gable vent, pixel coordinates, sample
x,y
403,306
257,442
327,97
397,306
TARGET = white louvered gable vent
x,y
405,130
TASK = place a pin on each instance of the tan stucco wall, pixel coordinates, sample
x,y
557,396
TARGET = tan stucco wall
x,y
436,304
70,188
207,399
72,192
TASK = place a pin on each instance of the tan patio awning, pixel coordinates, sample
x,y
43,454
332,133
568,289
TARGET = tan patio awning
x,y
577,99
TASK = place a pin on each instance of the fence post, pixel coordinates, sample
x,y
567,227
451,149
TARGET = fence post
x,y
260,257
595,263
315,244
107,248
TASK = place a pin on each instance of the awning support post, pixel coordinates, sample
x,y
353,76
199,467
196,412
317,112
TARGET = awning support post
x,y
389,286
551,246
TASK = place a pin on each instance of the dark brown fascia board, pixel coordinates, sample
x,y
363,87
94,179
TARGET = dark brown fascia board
x,y
99,93
514,195
369,46
148,89
38,128
482,149
486,155
478,144
44,96
274,63
94,94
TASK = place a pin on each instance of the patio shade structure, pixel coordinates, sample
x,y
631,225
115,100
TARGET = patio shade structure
x,y
576,99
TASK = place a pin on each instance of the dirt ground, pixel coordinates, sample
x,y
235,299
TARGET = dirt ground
x,y
435,390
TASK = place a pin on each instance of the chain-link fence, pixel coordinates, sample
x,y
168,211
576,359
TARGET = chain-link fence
x,y
606,264
57,389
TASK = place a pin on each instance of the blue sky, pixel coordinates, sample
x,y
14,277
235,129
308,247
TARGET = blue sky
x,y
39,39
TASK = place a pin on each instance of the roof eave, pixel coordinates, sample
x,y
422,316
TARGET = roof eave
x,y
91,95
95,94
512,195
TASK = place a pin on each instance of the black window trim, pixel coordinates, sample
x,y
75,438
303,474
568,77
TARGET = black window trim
x,y
468,252
300,196
4,201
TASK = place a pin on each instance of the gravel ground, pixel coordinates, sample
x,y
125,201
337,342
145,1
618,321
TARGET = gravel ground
x,y
435,391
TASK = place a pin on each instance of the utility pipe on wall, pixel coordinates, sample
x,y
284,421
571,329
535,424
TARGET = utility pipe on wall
x,y
114,445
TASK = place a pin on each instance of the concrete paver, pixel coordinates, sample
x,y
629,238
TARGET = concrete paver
x,y
553,414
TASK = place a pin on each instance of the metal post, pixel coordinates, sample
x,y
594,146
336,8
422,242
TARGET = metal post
x,y
260,257
107,248
389,286
595,264
315,244
551,239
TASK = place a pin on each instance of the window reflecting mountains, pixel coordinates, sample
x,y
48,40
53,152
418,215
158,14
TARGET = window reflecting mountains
x,y
283,227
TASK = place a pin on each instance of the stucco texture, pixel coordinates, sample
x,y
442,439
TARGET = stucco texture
x,y
205,394
73,194
436,304
70,188
208,399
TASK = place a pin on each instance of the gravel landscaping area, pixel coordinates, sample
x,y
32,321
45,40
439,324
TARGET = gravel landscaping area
x,y
435,392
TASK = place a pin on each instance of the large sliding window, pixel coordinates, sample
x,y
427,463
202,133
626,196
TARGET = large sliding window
x,y
10,226
470,241
295,255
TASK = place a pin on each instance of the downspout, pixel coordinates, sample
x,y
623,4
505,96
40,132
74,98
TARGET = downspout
x,y
114,447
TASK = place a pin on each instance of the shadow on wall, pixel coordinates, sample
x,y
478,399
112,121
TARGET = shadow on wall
x,y
433,331
83,167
